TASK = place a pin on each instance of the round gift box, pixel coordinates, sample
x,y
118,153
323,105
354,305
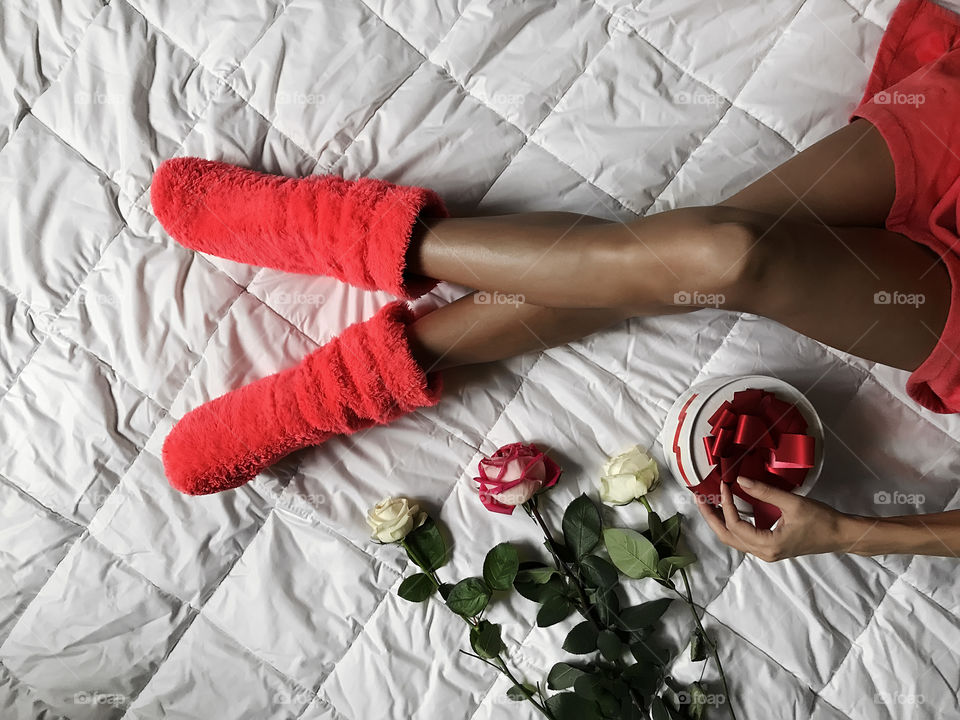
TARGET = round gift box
x,y
686,426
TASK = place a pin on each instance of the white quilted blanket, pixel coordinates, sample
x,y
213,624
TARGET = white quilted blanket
x,y
120,597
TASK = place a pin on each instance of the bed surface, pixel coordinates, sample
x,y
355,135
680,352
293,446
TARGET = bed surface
x,y
120,597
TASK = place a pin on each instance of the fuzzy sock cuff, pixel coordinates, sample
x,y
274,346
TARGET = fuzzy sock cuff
x,y
364,377
358,231
373,371
376,229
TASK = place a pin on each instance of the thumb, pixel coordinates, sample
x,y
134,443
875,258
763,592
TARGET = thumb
x,y
765,492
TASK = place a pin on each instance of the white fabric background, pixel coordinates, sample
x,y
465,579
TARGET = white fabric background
x,y
270,602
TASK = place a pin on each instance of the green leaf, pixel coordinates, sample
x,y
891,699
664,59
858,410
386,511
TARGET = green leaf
x,y
469,597
567,706
582,526
643,615
588,686
445,589
582,639
561,550
598,572
425,546
698,701
517,692
500,566
654,527
607,603
698,646
416,588
485,639
563,676
535,572
642,677
553,611
670,535
658,710
631,552
610,646
669,565
609,705
649,652
540,592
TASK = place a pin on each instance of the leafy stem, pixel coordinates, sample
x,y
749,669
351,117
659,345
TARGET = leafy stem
x,y
563,567
432,574
500,664
587,609
502,667
687,596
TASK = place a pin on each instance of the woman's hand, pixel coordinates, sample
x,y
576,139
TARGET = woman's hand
x,y
806,526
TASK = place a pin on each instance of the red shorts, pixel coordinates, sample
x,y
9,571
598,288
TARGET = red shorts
x,y
913,99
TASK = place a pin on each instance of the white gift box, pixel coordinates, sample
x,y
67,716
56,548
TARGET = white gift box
x,y
687,424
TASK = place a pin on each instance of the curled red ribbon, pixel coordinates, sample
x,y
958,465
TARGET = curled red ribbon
x,y
757,436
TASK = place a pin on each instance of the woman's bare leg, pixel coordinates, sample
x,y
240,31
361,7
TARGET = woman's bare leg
x,y
764,250
466,332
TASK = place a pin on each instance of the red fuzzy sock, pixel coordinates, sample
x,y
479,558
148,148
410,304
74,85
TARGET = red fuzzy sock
x,y
364,377
355,230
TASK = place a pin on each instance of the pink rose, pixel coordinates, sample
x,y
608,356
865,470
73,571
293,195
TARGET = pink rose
x,y
513,475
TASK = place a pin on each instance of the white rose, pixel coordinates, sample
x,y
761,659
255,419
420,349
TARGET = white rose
x,y
628,476
392,519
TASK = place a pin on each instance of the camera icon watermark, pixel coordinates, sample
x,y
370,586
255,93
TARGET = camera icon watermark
x,y
896,497
498,298
99,698
898,698
499,98
299,298
699,97
886,297
691,498
97,298
696,298
293,697
896,97
300,98
97,98
684,697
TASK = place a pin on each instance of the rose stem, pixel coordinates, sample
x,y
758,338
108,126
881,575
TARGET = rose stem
x,y
562,566
504,669
534,512
710,644
432,574
473,622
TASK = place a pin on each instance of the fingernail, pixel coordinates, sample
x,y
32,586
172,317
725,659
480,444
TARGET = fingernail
x,y
745,482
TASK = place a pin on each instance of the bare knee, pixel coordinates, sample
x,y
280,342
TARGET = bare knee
x,y
721,263
696,257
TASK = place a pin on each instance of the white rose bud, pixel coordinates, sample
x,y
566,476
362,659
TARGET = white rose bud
x,y
392,519
628,476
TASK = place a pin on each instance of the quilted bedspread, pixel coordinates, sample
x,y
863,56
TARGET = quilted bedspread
x,y
120,597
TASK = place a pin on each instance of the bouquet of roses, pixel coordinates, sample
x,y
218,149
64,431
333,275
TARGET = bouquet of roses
x,y
622,672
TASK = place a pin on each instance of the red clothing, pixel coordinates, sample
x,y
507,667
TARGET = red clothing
x,y
913,99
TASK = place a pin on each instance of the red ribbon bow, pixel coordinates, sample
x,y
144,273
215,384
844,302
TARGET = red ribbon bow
x,y
760,437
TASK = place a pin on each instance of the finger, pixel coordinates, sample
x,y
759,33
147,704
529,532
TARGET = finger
x,y
768,493
739,527
713,518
